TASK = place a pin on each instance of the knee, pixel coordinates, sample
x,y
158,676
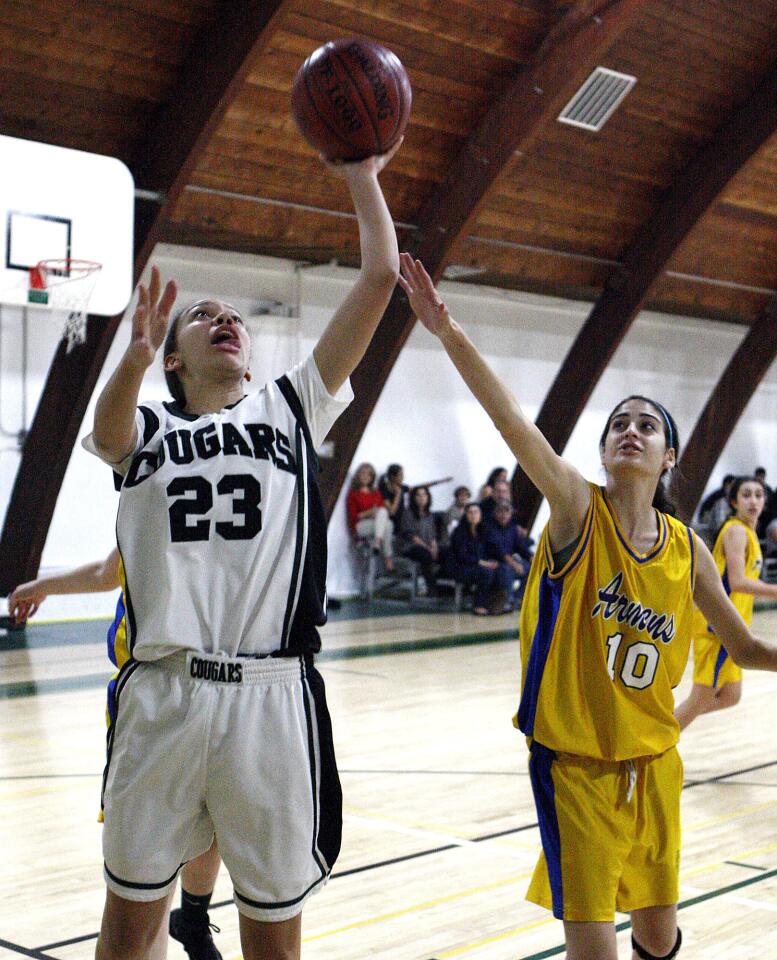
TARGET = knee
x,y
730,695
119,941
658,945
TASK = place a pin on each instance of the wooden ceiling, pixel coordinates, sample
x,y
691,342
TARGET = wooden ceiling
x,y
670,206
98,75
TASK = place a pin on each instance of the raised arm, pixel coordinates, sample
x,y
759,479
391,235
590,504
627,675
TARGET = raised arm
x,y
735,547
114,432
709,596
346,338
94,577
566,489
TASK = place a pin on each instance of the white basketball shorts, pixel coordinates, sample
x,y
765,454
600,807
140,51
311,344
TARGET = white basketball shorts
x,y
241,748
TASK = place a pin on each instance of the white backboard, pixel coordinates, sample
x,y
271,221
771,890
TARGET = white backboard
x,y
57,203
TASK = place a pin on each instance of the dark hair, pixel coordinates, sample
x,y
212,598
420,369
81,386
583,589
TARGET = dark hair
x,y
414,506
393,470
731,498
729,478
358,470
479,525
663,498
458,490
493,475
760,470
172,379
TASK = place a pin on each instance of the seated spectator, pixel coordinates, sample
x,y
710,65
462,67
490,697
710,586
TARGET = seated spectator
x,y
500,491
487,490
467,559
368,516
769,512
394,492
418,534
760,475
505,544
715,508
455,511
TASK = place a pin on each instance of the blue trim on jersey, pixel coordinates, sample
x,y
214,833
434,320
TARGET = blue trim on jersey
x,y
656,550
722,657
541,775
549,602
692,545
111,637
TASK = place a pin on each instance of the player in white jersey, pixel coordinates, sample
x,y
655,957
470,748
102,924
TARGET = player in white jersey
x,y
221,722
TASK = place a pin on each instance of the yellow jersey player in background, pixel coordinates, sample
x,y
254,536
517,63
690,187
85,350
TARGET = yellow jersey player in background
x,y
605,633
717,680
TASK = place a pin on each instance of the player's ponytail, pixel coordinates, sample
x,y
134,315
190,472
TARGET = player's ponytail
x,y
174,384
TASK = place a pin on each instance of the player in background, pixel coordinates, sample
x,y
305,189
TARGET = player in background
x,y
189,923
717,680
605,634
222,534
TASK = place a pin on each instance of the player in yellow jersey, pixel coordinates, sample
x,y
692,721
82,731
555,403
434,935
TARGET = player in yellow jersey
x,y
189,923
605,632
717,680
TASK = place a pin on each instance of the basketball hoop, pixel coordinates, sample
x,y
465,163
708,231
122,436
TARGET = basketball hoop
x,y
66,285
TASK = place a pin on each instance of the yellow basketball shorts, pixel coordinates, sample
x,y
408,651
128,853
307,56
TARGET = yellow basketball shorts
x,y
240,748
610,833
712,666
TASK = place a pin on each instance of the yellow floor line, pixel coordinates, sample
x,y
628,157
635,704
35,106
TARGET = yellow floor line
x,y
739,812
425,905
497,937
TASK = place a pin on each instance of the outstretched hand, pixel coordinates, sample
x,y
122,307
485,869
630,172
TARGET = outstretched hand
x,y
348,169
149,322
422,294
25,600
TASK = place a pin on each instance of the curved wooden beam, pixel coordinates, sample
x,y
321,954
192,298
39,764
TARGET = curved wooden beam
x,y
534,98
175,140
738,382
694,191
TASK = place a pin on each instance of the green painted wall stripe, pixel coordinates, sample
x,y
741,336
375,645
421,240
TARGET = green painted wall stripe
x,y
31,688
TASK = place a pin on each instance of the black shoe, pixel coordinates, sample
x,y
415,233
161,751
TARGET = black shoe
x,y
196,938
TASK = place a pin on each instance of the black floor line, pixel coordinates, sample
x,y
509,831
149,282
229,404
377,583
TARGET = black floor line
x,y
683,905
16,948
745,866
451,846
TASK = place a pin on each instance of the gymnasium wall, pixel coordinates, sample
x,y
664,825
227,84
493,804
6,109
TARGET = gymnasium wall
x,y
425,418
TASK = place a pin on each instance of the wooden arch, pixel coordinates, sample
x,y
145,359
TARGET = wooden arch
x,y
695,190
175,141
738,382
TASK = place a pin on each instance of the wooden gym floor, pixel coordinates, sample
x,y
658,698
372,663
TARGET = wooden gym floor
x,y
440,832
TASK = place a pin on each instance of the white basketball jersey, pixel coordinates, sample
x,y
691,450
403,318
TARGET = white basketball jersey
x,y
220,526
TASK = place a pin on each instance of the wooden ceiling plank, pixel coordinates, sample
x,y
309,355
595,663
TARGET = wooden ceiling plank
x,y
122,33
174,142
695,190
467,26
739,381
532,98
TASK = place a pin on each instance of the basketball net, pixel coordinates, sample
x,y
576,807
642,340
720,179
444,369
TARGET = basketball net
x,y
65,286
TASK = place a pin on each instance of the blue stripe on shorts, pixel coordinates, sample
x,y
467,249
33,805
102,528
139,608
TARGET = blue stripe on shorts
x,y
540,764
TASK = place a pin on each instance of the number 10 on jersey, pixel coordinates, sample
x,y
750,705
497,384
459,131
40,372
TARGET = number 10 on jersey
x,y
640,662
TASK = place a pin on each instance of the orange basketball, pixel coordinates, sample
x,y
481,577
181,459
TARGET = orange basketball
x,y
351,99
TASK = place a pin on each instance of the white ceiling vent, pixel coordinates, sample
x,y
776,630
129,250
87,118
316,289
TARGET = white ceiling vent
x,y
598,98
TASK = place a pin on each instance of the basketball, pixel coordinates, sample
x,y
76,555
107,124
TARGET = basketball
x,y
351,99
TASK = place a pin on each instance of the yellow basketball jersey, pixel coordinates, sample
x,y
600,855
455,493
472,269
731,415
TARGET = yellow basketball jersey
x,y
753,563
606,638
